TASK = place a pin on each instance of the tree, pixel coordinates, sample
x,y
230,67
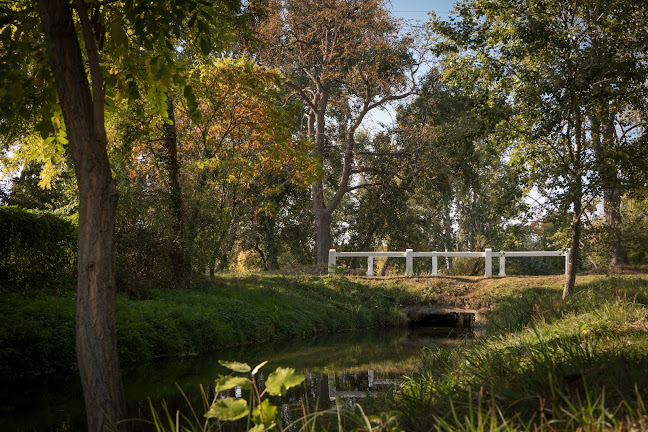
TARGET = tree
x,y
546,60
231,156
446,185
343,59
112,39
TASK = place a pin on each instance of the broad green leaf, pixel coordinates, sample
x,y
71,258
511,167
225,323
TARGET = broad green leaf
x,y
282,379
228,409
265,414
229,382
204,46
236,366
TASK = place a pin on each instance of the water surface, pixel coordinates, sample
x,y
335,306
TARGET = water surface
x,y
345,366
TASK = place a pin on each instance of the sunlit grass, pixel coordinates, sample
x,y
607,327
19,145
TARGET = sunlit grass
x,y
547,365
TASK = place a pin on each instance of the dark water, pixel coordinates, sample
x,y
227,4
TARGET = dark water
x,y
343,366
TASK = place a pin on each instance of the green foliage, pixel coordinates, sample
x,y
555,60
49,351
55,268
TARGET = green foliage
x,y
573,88
264,415
36,333
232,161
231,310
37,250
26,191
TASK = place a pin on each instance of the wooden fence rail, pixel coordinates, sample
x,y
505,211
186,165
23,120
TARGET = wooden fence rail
x,y
409,256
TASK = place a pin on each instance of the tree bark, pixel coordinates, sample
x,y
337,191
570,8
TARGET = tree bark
x,y
448,236
178,254
577,201
323,238
96,336
574,244
612,199
225,247
614,222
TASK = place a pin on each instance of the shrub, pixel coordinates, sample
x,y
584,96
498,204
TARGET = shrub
x,y
37,250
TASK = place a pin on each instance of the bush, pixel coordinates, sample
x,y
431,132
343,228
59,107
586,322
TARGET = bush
x,y
37,250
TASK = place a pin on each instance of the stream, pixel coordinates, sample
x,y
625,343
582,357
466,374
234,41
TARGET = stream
x,y
341,366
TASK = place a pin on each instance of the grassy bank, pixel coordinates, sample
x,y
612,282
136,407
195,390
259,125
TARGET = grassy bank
x,y
37,329
545,365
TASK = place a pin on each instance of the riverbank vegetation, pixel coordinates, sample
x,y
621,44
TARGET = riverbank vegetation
x,y
37,328
197,138
546,364
543,364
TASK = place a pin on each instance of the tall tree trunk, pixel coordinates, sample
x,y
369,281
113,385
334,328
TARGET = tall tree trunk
x,y
323,238
178,254
612,200
577,201
96,336
447,236
613,220
228,238
603,127
317,134
574,244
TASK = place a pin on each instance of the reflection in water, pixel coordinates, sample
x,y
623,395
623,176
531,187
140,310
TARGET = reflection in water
x,y
345,365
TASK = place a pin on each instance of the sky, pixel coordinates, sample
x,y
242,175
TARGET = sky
x,y
417,12
418,9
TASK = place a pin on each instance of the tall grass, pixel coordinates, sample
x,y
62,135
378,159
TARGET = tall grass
x,y
573,365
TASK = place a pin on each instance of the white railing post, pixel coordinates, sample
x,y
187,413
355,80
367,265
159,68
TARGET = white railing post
x,y
370,266
489,262
409,262
567,253
502,269
435,265
331,261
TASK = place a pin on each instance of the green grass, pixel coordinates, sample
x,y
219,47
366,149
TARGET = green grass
x,y
37,330
546,365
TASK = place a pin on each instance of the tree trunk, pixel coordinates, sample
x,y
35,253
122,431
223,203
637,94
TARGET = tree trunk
x,y
448,239
96,336
317,134
577,201
178,254
612,199
574,244
613,220
225,247
604,137
323,238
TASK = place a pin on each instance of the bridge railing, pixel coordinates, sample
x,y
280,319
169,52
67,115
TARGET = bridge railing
x,y
409,256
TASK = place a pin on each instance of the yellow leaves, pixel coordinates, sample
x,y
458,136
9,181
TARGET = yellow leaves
x,y
49,152
245,124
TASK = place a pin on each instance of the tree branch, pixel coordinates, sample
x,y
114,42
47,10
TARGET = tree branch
x,y
98,89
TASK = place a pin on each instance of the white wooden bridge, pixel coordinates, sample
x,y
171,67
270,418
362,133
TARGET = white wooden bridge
x,y
409,256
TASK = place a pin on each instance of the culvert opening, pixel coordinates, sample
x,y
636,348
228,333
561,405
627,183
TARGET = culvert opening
x,y
464,321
